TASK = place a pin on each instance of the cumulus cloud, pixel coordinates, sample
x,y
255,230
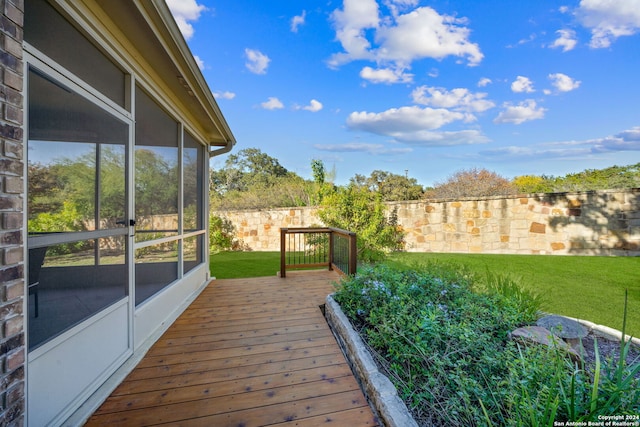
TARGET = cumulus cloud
x,y
257,62
350,24
483,82
184,11
224,95
396,41
416,125
297,21
385,75
609,20
362,147
272,103
522,84
460,99
564,83
566,40
314,106
523,112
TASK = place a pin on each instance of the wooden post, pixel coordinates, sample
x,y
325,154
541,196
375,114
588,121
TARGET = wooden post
x,y
283,251
331,249
353,253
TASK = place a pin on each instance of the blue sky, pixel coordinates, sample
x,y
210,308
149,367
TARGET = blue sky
x,y
424,87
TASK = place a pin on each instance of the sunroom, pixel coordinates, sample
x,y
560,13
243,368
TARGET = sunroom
x,y
119,128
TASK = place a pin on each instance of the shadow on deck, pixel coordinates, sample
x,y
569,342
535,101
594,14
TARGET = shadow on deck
x,y
247,352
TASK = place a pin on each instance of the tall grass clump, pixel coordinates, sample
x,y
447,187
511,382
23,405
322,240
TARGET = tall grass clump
x,y
443,336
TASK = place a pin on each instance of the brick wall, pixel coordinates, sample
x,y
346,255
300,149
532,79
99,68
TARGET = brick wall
x,y
12,204
589,223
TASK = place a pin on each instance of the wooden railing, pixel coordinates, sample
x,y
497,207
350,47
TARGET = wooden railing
x,y
307,248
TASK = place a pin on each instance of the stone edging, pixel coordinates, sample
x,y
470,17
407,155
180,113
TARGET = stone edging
x,y
377,387
606,332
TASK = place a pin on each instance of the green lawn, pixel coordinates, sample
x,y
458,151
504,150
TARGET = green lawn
x,y
590,288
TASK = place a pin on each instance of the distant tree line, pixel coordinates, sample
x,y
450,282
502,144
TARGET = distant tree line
x,y
251,179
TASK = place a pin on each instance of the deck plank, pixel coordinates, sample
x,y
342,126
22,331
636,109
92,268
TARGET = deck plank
x,y
247,352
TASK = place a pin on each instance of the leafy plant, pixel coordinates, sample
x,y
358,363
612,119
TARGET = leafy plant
x,y
441,333
363,212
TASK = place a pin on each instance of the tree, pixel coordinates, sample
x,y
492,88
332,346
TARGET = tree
x,y
472,183
392,187
250,167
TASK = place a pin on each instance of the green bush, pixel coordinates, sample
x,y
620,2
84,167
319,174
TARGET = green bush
x,y
222,235
363,212
442,334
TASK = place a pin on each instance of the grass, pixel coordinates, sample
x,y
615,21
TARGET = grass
x,y
590,288
234,265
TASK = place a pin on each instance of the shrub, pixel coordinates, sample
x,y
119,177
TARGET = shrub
x,y
363,212
222,235
441,333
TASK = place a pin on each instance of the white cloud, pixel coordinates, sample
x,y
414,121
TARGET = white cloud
x,y
415,125
401,38
350,24
314,106
522,84
423,33
523,112
458,99
564,83
608,19
362,147
272,103
257,62
199,61
484,82
297,21
184,11
566,40
224,95
402,119
385,75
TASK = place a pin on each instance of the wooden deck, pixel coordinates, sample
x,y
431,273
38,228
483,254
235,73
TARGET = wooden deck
x,y
247,352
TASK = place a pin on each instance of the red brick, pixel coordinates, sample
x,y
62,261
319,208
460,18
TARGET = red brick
x,y
13,326
12,220
15,360
13,184
13,255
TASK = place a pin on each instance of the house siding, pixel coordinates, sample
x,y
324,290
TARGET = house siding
x,y
12,203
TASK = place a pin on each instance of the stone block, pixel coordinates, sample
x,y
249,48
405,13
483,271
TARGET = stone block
x,y
557,246
537,227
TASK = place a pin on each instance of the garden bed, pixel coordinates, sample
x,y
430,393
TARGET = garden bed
x,y
527,375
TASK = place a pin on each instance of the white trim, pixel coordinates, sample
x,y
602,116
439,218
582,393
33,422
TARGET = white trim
x,y
82,414
59,73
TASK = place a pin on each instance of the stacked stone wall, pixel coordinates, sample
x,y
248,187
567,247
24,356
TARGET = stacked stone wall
x,y
12,286
586,223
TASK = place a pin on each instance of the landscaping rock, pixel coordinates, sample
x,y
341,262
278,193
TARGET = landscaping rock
x,y
568,329
540,335
563,327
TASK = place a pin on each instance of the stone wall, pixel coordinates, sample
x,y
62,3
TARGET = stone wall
x,y
588,223
12,286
